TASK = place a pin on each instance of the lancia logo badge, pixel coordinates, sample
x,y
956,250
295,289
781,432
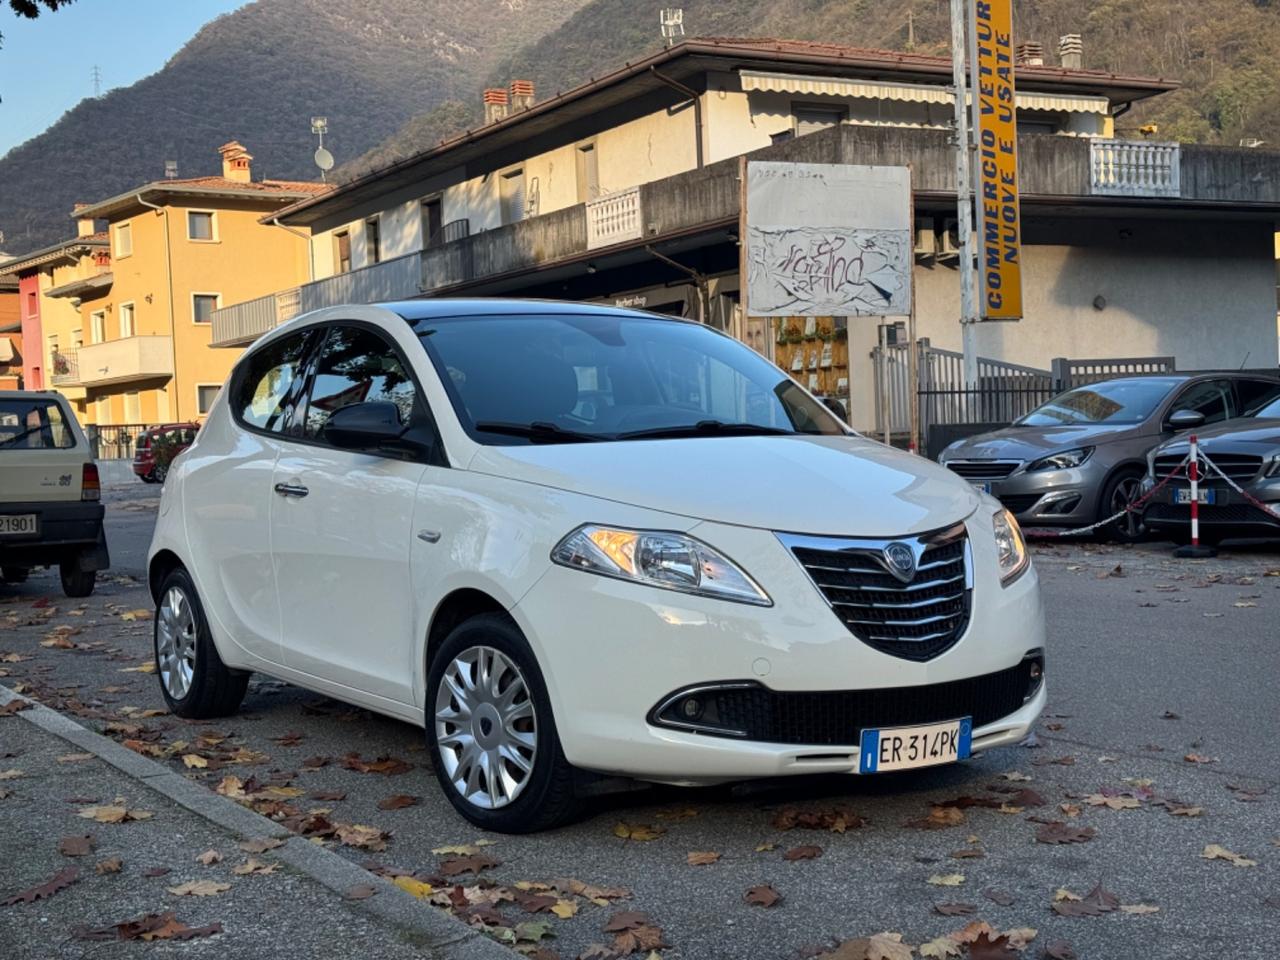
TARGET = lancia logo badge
x,y
901,561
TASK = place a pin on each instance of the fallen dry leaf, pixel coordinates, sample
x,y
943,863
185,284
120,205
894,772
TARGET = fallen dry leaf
x,y
943,948
455,866
199,888
1138,908
110,865
1215,852
1113,803
74,757
946,879
637,831
80,846
261,845
416,887
807,852
1199,758
762,896
361,837
209,858
114,813
387,766
397,802
938,819
1059,832
1093,904
361,891
1001,897
702,858
254,867
835,819
463,849
12,774
148,927
955,909
564,909
42,891
193,761
1059,950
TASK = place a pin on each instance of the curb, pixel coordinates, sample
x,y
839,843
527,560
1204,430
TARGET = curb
x,y
420,923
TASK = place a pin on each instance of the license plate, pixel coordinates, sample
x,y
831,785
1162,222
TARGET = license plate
x,y
982,486
18,524
1184,496
901,748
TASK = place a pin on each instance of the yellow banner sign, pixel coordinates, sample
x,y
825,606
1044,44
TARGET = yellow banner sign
x,y
995,127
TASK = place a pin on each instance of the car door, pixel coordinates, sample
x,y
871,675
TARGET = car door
x,y
341,527
229,496
1213,398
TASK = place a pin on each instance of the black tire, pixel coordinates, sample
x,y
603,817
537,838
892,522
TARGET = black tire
x,y
547,798
146,478
1121,489
158,473
14,574
213,690
76,583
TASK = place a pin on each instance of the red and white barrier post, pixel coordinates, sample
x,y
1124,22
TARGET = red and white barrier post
x,y
1195,550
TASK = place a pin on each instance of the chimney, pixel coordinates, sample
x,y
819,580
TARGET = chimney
x,y
1029,54
235,161
85,226
1071,50
495,104
521,95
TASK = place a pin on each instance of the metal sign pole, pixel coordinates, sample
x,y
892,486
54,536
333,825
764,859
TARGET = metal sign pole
x,y
913,356
964,201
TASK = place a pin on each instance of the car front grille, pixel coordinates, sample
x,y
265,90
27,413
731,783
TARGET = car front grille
x,y
837,717
915,619
983,469
1226,513
1241,468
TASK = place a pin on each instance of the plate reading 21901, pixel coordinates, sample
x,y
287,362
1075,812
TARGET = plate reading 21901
x,y
901,748
17,524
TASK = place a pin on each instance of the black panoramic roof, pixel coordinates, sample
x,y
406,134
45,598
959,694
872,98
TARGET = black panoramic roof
x,y
444,308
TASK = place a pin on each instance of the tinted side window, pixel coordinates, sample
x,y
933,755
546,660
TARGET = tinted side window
x,y
1212,398
1256,394
356,365
269,387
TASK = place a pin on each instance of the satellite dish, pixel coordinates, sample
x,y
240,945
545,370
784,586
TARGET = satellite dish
x,y
324,159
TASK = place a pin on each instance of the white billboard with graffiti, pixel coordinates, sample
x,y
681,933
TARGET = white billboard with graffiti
x,y
828,240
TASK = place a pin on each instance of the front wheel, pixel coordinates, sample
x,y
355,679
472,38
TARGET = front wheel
x,y
76,583
491,733
1121,491
194,681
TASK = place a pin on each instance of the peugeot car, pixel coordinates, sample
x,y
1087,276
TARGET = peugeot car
x,y
565,538
1080,458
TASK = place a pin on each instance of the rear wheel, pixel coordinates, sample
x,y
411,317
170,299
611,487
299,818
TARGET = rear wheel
x,y
14,574
76,582
491,733
1121,491
158,473
194,681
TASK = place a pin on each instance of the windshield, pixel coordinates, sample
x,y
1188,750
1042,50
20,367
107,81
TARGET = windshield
x,y
1112,401
1270,411
574,377
35,424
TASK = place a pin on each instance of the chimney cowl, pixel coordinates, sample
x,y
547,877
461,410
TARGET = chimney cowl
x,y
1071,51
521,94
1029,54
236,162
495,104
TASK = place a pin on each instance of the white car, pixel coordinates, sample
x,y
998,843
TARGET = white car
x,y
50,509
572,538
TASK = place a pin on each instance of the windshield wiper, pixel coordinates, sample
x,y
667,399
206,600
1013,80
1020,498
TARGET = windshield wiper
x,y
540,431
705,428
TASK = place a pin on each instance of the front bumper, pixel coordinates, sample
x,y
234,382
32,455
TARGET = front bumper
x,y
611,650
64,529
1230,515
1050,498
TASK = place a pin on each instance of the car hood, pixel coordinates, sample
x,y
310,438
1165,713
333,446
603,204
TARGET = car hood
x,y
839,486
1240,430
1027,443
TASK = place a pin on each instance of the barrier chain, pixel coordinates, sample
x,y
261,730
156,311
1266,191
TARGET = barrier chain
x,y
1250,498
1131,507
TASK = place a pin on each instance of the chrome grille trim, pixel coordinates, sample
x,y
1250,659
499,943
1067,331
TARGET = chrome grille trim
x,y
916,620
983,469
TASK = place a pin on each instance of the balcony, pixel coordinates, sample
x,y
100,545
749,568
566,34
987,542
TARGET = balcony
x,y
66,368
1135,168
614,219
398,279
124,360
240,324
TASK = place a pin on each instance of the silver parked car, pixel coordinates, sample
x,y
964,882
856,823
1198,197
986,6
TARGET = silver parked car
x,y
1247,450
1082,456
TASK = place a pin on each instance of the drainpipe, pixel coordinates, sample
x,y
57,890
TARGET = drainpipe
x,y
697,107
311,250
176,413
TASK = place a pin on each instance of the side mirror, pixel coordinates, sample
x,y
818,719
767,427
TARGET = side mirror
x,y
364,426
1185,420
836,407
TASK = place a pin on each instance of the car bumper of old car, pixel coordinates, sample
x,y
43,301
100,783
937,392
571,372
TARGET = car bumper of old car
x,y
798,684
63,529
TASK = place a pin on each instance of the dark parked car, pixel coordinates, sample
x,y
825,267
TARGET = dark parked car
x,y
1082,456
178,436
1247,450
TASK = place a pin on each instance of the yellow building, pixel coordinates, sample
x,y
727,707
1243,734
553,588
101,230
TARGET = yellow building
x,y
179,250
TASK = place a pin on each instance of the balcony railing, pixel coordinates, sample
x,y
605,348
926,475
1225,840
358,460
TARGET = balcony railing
x,y
129,358
397,279
451,231
66,368
1135,168
242,323
614,219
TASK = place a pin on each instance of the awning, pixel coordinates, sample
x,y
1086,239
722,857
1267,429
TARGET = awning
x,y
753,80
6,349
78,288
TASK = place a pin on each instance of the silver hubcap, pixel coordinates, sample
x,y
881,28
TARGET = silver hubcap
x,y
1127,491
176,642
486,728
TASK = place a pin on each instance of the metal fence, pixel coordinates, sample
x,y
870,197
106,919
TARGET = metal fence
x,y
115,441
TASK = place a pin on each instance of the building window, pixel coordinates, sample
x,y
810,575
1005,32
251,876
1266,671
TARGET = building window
x,y
432,221
132,407
98,326
124,239
127,325
206,393
342,252
77,338
53,351
588,172
102,410
33,304
373,241
203,305
812,118
200,225
511,195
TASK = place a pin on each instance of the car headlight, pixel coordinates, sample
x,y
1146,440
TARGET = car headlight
x,y
1061,461
1011,549
660,559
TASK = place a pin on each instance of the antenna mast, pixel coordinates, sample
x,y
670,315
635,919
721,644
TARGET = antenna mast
x,y
95,77
672,22
323,158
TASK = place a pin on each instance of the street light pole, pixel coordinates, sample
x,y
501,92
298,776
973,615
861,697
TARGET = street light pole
x,y
964,195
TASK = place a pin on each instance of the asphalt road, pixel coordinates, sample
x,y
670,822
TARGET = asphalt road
x,y
1151,660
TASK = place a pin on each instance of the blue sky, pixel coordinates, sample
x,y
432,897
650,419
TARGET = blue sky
x,y
45,64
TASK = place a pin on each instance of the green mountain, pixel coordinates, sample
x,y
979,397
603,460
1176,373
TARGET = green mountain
x,y
258,75
1226,53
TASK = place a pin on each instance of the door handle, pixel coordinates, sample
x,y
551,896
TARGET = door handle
x,y
291,490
